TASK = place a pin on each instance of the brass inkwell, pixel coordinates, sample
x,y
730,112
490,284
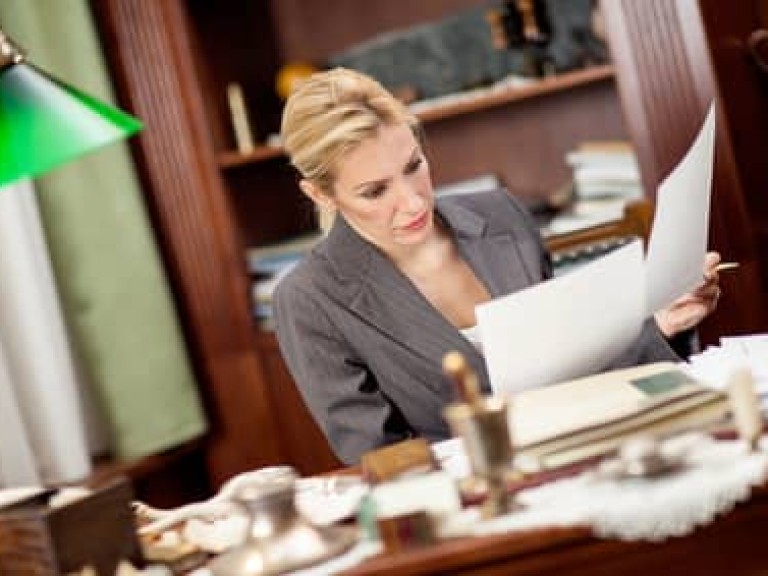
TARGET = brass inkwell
x,y
279,539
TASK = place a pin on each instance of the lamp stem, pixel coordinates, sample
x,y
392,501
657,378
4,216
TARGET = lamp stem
x,y
10,53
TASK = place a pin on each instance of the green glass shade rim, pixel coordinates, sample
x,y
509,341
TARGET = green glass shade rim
x,y
45,123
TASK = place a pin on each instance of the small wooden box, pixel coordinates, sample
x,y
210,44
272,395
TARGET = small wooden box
x,y
96,531
411,456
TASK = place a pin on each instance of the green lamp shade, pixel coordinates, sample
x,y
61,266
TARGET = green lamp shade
x,y
45,123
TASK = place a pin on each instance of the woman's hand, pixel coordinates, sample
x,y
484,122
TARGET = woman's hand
x,y
690,309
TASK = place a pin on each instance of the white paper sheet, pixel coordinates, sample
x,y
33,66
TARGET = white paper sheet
x,y
678,241
567,327
753,348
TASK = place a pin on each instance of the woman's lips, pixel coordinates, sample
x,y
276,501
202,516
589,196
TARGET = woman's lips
x,y
418,223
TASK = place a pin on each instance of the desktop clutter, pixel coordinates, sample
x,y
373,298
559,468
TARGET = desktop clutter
x,y
644,453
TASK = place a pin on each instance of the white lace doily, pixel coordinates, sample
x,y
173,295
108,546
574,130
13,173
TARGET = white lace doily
x,y
716,476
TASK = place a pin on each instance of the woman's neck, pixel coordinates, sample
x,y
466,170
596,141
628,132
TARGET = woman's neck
x,y
429,256
445,279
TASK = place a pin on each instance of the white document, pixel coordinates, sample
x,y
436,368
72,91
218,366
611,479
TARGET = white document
x,y
715,365
754,349
678,242
567,327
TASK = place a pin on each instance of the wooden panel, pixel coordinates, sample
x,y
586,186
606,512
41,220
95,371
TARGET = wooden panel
x,y
662,51
305,445
150,54
655,84
743,97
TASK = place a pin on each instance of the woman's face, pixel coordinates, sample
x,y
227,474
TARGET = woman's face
x,y
384,191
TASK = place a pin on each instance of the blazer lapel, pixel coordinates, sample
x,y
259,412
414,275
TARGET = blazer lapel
x,y
496,261
494,255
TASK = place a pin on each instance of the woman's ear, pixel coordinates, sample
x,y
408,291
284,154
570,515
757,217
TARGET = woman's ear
x,y
318,196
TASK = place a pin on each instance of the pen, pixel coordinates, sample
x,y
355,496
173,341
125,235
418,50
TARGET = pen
x,y
726,266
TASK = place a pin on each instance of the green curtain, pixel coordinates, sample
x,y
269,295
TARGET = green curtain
x,y
108,271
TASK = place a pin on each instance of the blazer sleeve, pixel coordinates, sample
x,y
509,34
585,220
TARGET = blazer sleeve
x,y
650,346
341,394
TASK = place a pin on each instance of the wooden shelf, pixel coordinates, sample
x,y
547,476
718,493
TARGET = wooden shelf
x,y
489,98
468,103
233,159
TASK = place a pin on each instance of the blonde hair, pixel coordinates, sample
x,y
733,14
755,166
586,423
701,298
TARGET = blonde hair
x,y
329,114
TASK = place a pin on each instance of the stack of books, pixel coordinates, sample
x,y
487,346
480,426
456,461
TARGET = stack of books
x,y
566,423
605,179
605,169
268,265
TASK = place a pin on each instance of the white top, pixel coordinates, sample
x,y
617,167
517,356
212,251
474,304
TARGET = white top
x,y
473,335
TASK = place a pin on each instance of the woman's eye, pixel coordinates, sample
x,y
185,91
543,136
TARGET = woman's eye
x,y
373,193
413,165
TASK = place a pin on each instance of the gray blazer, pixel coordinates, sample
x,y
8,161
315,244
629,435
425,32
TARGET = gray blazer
x,y
364,345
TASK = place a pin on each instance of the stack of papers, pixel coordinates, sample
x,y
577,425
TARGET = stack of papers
x,y
565,423
716,364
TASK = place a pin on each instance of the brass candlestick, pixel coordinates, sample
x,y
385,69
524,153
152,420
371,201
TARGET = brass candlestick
x,y
482,422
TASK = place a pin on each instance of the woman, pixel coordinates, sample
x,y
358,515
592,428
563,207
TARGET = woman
x,y
365,320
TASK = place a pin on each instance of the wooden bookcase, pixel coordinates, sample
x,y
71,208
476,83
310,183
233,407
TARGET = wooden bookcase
x,y
172,60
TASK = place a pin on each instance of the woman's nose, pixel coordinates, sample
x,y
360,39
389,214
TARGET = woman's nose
x,y
410,199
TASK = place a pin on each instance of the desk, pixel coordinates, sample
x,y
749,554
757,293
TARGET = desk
x,y
737,544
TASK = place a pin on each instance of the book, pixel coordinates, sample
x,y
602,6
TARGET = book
x,y
565,423
605,169
267,260
240,121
